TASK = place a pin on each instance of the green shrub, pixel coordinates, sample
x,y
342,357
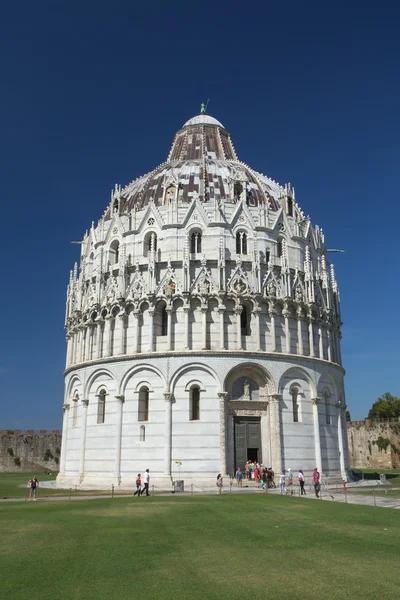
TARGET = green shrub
x,y
10,432
382,443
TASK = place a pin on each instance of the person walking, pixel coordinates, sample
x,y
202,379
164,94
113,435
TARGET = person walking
x,y
302,480
257,475
33,484
239,477
247,469
220,483
146,483
138,485
289,482
282,483
316,482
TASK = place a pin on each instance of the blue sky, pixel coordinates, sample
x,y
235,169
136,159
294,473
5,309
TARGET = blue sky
x,y
91,95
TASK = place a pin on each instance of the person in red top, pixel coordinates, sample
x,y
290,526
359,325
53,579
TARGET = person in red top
x,y
138,486
257,475
315,477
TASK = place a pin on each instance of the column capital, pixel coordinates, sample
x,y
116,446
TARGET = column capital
x,y
275,397
85,402
65,407
168,396
238,310
222,396
121,398
315,400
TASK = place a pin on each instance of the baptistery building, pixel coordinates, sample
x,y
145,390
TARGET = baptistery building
x,y
203,327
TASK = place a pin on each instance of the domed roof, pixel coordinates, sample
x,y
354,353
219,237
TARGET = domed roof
x,y
202,163
203,119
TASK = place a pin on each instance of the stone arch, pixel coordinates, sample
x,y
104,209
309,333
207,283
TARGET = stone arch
x,y
137,369
93,376
295,374
253,372
191,367
73,383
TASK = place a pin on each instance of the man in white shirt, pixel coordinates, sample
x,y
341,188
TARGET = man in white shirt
x,y
146,480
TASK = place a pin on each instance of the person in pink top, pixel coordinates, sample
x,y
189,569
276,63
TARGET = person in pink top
x,y
315,478
257,475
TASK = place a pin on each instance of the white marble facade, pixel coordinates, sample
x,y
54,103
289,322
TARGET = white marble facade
x,y
203,298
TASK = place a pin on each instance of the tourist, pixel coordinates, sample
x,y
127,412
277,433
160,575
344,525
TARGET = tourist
x,y
282,483
290,482
316,482
33,484
239,477
302,480
146,483
138,485
257,475
219,483
247,469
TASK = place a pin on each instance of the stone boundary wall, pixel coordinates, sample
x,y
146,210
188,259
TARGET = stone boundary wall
x,y
374,444
29,451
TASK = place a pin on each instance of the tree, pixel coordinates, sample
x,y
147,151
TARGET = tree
x,y
348,417
386,407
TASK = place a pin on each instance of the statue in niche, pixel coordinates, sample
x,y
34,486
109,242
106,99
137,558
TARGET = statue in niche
x,y
137,290
204,286
298,294
246,390
271,289
169,287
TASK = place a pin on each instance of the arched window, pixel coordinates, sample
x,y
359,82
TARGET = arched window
x,y
195,403
114,252
101,406
237,191
295,404
164,321
245,320
280,248
143,406
142,436
75,410
290,207
241,242
195,242
327,409
267,256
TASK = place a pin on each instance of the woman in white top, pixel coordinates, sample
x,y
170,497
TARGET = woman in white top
x,y
282,483
302,480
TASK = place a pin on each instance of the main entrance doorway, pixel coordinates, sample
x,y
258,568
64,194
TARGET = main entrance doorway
x,y
247,432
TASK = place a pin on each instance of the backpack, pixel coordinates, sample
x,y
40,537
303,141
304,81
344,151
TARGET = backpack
x,y
138,482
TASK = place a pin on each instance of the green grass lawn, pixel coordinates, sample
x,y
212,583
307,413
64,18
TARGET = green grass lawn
x,y
393,475
10,486
223,547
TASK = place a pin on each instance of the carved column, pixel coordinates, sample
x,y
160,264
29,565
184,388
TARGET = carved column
x,y
272,313
223,402
100,338
204,318
300,349
339,347
107,336
238,312
85,404
122,330
168,434
151,330
221,312
118,437
64,439
77,344
321,340
311,335
256,314
136,315
169,327
317,439
186,311
329,341
285,314
275,424
69,349
341,444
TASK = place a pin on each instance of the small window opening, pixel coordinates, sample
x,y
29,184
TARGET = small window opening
x,y
195,404
241,242
280,248
290,207
151,243
237,191
327,410
267,256
143,408
295,405
142,433
75,411
195,242
164,321
101,407
244,321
